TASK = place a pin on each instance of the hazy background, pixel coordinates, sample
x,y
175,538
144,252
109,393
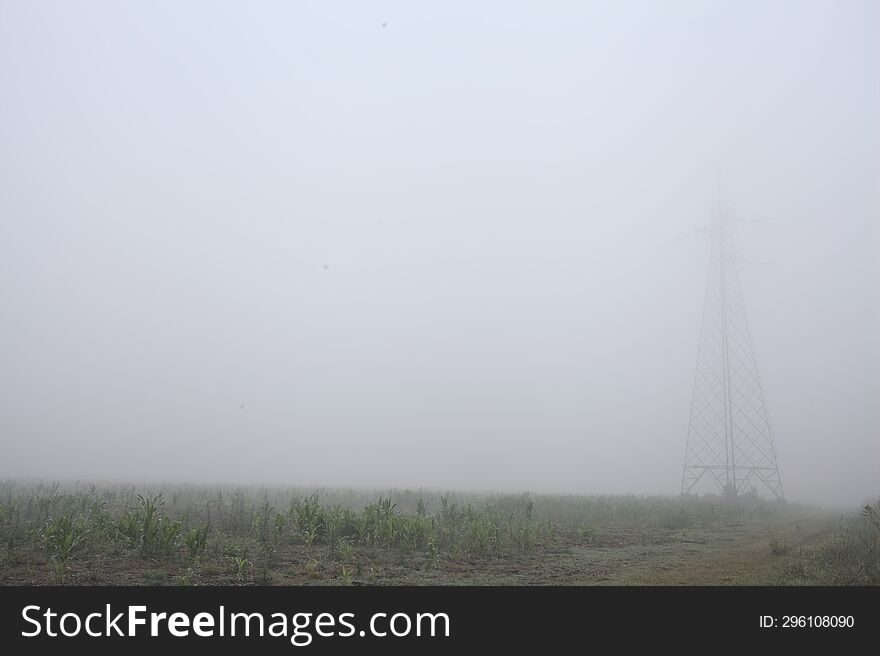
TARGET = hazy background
x,y
430,244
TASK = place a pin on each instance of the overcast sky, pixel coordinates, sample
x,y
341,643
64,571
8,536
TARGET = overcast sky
x,y
440,244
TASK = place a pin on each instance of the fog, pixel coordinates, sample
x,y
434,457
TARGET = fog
x,y
441,244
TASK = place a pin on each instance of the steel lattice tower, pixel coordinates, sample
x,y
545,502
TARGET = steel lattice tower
x,y
730,441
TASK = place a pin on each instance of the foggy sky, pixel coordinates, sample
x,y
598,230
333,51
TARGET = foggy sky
x,y
283,242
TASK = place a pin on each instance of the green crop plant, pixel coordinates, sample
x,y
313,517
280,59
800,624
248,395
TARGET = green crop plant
x,y
186,579
433,553
341,525
311,534
480,537
308,518
415,531
128,530
147,524
345,549
265,526
241,566
447,510
388,523
61,537
523,535
12,528
144,530
167,538
268,528
195,540
101,522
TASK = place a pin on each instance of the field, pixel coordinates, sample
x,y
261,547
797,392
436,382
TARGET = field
x,y
188,535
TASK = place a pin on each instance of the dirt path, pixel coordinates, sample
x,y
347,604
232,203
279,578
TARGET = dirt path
x,y
744,558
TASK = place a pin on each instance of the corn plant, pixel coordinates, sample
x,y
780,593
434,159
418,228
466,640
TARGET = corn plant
x,y
186,579
433,553
147,523
264,526
61,537
523,536
479,537
11,527
310,534
416,531
167,537
341,525
144,530
195,540
241,566
345,549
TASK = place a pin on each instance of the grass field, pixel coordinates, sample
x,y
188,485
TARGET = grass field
x,y
189,535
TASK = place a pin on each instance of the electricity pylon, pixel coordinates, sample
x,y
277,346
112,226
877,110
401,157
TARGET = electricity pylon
x,y
730,441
